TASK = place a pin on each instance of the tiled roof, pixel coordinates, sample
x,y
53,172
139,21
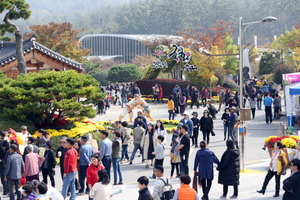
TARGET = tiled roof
x,y
8,52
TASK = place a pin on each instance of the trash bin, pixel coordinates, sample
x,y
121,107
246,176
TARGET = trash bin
x,y
291,120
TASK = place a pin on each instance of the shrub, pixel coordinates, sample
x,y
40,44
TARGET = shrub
x,y
228,83
146,85
16,125
281,69
124,73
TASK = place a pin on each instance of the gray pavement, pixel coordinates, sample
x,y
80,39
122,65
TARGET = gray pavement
x,y
256,160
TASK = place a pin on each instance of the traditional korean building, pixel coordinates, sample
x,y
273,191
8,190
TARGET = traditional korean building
x,y
37,57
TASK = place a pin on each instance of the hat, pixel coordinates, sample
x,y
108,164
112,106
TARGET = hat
x,y
194,113
180,125
208,100
233,108
23,127
186,113
21,189
176,85
45,145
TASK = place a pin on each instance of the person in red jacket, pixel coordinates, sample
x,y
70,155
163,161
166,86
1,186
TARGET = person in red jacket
x,y
70,169
92,171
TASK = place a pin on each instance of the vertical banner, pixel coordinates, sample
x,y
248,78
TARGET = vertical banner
x,y
246,65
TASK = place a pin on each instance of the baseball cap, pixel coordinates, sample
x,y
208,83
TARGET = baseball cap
x,y
186,113
180,125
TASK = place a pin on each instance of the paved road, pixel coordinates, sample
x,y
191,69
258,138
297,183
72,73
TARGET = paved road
x,y
256,160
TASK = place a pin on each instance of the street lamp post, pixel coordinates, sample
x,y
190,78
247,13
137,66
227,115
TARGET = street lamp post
x,y
241,33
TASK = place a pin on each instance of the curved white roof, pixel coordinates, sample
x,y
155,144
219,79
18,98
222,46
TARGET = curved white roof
x,y
133,37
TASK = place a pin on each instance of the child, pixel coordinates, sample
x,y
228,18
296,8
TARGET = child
x,y
236,131
175,158
159,153
171,107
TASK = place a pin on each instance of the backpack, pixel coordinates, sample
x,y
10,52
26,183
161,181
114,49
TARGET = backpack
x,y
168,191
258,95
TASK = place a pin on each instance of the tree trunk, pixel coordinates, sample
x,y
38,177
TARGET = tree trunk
x,y
20,53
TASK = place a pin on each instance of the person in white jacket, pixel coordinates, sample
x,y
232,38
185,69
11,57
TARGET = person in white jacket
x,y
159,183
102,189
159,154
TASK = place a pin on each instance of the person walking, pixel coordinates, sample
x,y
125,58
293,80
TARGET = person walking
x,y
116,155
102,189
225,117
60,153
85,153
229,170
277,168
171,108
268,108
194,97
253,105
124,94
48,166
33,162
40,140
203,167
259,95
159,183
176,103
196,123
144,193
182,103
232,121
206,125
227,96
277,105
125,138
204,96
185,191
13,172
291,185
186,92
184,148
105,151
160,94
92,171
148,144
138,133
70,169
221,99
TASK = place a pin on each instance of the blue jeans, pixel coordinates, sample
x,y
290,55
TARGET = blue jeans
x,y
135,148
117,170
230,133
124,100
226,129
69,181
259,104
124,152
106,161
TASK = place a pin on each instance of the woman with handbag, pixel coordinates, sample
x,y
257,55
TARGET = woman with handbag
x,y
229,169
206,125
277,168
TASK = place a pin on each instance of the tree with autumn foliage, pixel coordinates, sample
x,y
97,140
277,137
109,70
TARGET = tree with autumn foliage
x,y
215,40
17,9
61,38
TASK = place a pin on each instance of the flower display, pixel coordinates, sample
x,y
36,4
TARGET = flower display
x,y
289,143
82,127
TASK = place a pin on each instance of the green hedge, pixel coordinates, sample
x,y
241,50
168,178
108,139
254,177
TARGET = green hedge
x,y
146,85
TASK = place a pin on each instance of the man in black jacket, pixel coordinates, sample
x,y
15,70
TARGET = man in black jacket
x,y
291,185
60,153
144,191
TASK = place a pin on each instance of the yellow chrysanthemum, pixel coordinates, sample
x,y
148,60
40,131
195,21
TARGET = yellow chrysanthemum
x,y
289,143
